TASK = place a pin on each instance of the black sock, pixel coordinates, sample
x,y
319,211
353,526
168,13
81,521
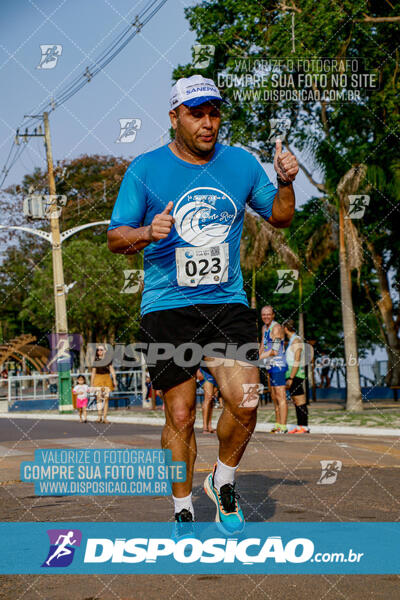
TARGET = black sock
x,y
302,415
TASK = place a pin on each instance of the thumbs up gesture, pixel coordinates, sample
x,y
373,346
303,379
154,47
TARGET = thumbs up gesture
x,y
162,224
285,163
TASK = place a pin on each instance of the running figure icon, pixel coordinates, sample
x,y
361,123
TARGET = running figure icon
x,y
62,549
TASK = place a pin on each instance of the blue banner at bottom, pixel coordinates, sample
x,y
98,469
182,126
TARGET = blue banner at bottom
x,y
159,548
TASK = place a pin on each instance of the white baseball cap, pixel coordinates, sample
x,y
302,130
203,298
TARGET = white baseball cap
x,y
194,90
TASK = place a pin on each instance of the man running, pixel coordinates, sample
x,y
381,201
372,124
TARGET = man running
x,y
272,350
295,376
185,203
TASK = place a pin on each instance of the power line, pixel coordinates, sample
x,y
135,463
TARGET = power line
x,y
105,57
18,150
108,54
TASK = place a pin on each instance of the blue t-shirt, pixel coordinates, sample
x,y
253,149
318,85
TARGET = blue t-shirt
x,y
209,206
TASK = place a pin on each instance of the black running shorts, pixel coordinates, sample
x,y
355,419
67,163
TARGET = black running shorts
x,y
177,339
297,387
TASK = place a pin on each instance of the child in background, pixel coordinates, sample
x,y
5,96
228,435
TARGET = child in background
x,y
82,392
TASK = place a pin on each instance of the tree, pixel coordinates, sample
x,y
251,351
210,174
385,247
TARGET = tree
x,y
19,263
96,307
91,184
348,258
258,237
330,134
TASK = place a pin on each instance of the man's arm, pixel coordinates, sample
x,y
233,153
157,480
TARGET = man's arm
x,y
130,240
262,353
283,207
277,334
261,348
286,167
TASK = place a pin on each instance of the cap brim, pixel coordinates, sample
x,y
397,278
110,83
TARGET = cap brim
x,y
203,100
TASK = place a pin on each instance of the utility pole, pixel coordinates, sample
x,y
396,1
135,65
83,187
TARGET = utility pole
x,y
62,357
63,361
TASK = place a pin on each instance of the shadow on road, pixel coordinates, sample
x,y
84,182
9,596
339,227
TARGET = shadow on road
x,y
255,497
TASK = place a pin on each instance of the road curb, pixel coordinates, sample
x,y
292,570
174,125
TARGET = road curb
x,y
260,427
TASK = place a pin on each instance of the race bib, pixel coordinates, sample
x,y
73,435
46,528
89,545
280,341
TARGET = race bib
x,y
205,265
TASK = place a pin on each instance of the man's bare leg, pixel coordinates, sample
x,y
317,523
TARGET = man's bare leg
x,y
239,388
238,420
276,405
178,433
278,393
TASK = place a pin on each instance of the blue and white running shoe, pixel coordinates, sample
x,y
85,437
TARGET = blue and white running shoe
x,y
229,517
183,526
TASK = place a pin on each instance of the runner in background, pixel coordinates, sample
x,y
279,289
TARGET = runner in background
x,y
325,368
272,351
210,389
295,376
149,392
152,394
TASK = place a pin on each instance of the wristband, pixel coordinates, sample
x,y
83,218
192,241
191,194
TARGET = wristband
x,y
282,183
150,234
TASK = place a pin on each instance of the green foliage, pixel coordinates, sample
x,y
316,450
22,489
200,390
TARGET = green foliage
x,y
96,307
320,303
331,136
15,279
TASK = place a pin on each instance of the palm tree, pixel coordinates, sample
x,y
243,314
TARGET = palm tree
x,y
350,257
258,237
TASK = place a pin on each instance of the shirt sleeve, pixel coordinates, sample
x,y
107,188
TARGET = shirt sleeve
x,y
263,192
130,205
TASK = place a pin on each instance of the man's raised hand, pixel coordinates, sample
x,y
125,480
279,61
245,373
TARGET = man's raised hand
x,y
285,163
162,224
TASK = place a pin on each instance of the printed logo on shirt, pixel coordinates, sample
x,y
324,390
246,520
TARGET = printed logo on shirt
x,y
204,216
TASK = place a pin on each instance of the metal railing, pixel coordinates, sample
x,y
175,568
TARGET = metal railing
x,y
372,374
39,386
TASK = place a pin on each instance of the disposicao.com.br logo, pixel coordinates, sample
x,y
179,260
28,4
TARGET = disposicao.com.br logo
x,y
160,548
247,551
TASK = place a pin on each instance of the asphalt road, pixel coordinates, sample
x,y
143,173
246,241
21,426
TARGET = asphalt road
x,y
277,481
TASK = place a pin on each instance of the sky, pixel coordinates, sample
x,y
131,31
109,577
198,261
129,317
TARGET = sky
x,y
136,84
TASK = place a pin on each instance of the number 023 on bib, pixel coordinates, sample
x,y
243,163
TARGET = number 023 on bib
x,y
205,265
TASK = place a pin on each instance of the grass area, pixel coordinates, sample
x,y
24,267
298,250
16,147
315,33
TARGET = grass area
x,y
368,418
